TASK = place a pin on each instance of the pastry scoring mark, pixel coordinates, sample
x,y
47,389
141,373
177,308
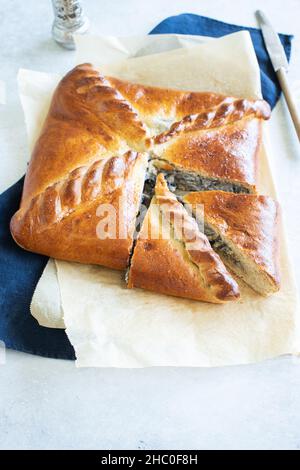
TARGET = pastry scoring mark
x,y
228,112
83,185
111,102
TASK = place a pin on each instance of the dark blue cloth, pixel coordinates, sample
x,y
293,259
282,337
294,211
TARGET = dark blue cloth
x,y
200,25
21,270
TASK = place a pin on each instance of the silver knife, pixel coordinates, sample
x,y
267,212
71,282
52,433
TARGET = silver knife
x,y
280,65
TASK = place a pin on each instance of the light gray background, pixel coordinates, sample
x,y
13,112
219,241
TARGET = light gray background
x,y
50,404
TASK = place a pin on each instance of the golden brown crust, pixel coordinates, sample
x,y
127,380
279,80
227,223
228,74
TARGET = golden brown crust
x,y
63,221
224,133
228,153
249,221
173,257
152,102
86,95
94,124
229,111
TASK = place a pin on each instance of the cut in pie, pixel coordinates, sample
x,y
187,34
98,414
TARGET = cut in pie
x,y
172,256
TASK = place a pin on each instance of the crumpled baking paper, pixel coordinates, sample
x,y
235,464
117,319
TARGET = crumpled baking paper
x,y
110,325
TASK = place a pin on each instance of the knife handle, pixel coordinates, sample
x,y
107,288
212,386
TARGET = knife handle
x,y
285,86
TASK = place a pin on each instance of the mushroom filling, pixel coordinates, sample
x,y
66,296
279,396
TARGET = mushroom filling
x,y
149,186
181,182
219,245
189,181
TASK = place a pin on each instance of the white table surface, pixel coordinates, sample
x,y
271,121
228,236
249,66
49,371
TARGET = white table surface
x,y
49,404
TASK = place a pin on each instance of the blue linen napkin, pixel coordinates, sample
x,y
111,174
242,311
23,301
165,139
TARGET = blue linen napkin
x,y
20,270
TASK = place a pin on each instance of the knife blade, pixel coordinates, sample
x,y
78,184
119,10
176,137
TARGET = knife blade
x,y
280,64
272,42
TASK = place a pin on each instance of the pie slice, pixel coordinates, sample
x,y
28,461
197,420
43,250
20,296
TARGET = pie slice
x,y
222,158
171,256
243,229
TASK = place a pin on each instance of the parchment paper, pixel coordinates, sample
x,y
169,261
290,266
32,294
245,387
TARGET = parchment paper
x,y
227,65
109,325
46,301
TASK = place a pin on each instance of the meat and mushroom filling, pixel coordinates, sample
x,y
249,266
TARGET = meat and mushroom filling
x,y
180,181
149,186
183,181
220,246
